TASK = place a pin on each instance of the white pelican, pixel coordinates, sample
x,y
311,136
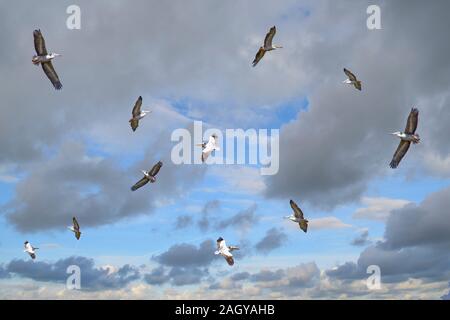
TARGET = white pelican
x,y
298,216
45,59
137,114
148,176
267,46
30,250
225,251
75,228
209,147
406,138
352,80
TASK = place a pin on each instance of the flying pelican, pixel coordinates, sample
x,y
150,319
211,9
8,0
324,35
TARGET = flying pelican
x,y
148,176
137,114
267,46
75,228
298,216
209,147
406,138
225,251
30,250
352,79
45,59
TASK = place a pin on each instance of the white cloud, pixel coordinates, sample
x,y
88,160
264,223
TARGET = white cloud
x,y
378,208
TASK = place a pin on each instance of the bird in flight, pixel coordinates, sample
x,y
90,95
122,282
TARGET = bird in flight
x,y
225,251
406,137
149,176
298,216
75,228
209,147
267,46
30,250
44,58
352,80
137,114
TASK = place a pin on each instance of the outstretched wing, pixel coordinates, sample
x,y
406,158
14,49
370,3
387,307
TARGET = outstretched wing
x,y
51,74
269,37
303,225
413,119
139,184
232,248
76,226
230,260
298,213
137,107
134,124
259,56
357,85
350,75
39,43
77,235
154,171
399,153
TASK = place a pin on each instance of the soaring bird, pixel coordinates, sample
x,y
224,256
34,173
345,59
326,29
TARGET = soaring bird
x,y
137,114
45,59
352,79
148,176
225,251
267,46
30,250
75,228
406,138
209,147
298,216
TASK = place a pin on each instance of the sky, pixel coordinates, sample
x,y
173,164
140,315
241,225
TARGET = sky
x,y
72,152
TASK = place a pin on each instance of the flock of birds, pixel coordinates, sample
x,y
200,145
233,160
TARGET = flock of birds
x,y
43,58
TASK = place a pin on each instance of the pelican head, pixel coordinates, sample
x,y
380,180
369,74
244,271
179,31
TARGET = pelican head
x,y
54,55
396,133
278,47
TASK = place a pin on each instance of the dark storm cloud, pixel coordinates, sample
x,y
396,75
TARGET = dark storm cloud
x,y
72,183
273,239
92,278
341,141
362,239
415,244
186,255
157,276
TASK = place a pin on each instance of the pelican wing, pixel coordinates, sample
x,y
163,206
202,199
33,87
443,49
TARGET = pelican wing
x,y
303,225
232,248
399,153
76,226
269,37
32,255
229,260
134,124
259,56
140,183
205,154
298,213
39,43
154,171
413,119
350,75
51,74
77,235
137,107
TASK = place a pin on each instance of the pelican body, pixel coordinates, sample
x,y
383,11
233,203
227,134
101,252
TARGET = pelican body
x,y
209,147
352,80
225,251
75,228
149,176
137,114
298,216
46,58
30,250
267,46
406,137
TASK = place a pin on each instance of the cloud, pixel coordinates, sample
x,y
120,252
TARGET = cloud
x,y
205,221
378,208
243,220
183,221
327,223
273,239
362,239
415,244
92,278
188,255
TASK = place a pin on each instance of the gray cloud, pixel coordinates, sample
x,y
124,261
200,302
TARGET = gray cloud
x,y
183,221
243,219
188,255
362,239
273,239
415,244
92,278
206,218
